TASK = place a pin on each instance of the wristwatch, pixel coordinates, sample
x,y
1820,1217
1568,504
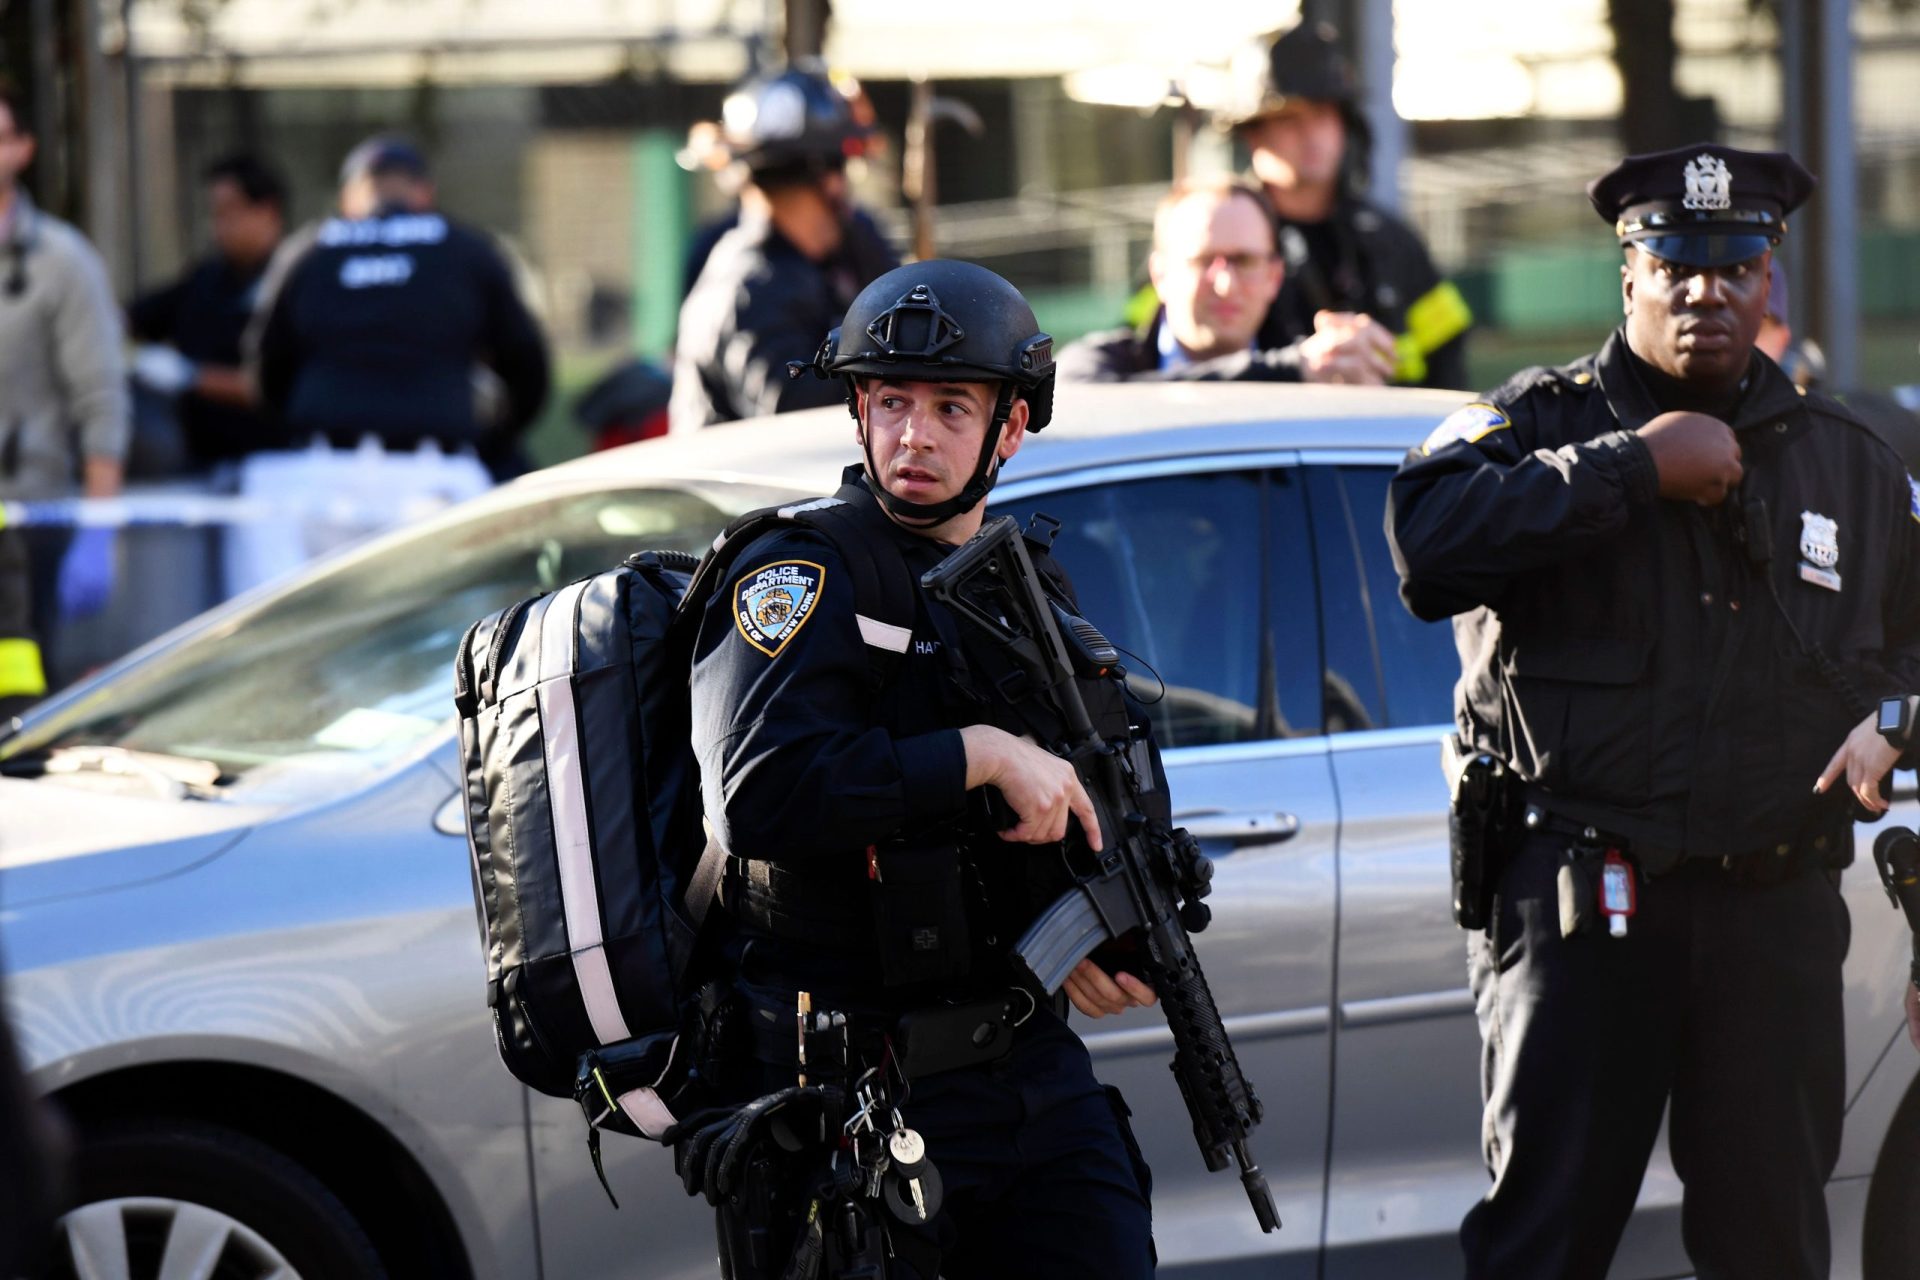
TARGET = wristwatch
x,y
1896,719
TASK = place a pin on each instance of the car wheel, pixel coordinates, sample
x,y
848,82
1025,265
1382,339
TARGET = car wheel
x,y
186,1201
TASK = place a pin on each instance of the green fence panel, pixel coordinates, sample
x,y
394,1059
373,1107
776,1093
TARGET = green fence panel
x,y
660,228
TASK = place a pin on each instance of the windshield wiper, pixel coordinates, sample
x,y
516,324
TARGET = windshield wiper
x,y
174,777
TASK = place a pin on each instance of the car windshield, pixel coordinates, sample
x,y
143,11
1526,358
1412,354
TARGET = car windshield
x,y
343,672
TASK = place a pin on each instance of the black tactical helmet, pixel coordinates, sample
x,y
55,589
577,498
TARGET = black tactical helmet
x,y
791,122
943,321
1303,62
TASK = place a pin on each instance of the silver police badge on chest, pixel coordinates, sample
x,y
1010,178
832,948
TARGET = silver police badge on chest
x,y
1819,550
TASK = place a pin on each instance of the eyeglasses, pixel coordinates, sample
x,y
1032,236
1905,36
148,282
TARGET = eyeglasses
x,y
1241,264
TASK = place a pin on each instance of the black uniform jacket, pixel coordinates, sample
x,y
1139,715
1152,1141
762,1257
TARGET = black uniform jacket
x,y
805,768
759,303
1653,663
1133,355
374,326
1364,259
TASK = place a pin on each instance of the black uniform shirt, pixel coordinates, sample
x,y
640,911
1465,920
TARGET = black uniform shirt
x,y
1627,653
374,327
805,768
203,315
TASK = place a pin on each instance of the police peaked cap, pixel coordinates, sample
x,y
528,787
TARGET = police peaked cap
x,y
1703,205
944,321
1304,62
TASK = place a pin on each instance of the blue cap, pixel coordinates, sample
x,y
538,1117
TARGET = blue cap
x,y
1704,205
383,154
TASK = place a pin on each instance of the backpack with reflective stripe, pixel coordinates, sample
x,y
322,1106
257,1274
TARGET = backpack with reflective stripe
x,y
592,872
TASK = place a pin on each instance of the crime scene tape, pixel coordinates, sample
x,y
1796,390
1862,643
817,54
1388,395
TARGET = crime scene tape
x,y
174,510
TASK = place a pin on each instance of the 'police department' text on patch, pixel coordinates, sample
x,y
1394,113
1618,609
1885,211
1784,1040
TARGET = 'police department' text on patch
x,y
771,605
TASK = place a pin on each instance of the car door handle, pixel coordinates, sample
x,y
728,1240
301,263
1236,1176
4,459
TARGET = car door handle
x,y
1239,827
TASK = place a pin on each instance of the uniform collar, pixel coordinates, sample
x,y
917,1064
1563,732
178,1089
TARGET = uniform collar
x,y
1766,395
857,493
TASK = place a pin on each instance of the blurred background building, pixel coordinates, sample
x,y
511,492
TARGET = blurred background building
x,y
1054,127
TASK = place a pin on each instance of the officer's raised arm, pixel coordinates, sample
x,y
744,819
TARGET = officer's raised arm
x,y
1478,502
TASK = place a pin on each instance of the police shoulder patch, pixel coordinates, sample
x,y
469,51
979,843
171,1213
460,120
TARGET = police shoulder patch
x,y
771,604
1913,497
1467,425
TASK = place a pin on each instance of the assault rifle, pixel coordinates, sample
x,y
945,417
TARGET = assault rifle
x,y
1146,880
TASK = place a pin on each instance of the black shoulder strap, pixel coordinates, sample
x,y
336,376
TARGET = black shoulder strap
x,y
883,586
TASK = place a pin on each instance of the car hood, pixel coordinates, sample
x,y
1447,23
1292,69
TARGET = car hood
x,y
58,840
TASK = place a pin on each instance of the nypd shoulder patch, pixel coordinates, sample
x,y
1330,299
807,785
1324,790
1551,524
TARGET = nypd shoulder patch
x,y
770,605
1913,497
1466,425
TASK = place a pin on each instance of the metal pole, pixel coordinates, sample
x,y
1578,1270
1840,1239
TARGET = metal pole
x,y
1373,60
54,150
136,191
917,167
806,28
1795,107
1836,300
1841,206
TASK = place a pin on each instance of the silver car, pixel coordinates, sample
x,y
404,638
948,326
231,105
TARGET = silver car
x,y
242,944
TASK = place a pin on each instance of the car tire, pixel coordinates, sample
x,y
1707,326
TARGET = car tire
x,y
158,1192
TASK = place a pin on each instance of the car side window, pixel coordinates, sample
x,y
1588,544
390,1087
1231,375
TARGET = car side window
x,y
1385,667
1170,569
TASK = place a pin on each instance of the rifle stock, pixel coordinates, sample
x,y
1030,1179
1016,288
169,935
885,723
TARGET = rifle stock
x,y
1142,881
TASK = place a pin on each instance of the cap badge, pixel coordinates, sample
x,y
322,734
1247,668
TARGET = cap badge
x,y
1709,184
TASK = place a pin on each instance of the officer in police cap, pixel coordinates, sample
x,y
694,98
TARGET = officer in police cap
x,y
1294,104
1677,582
866,870
781,277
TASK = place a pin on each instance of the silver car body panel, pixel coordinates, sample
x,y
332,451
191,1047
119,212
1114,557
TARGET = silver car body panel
x,y
335,941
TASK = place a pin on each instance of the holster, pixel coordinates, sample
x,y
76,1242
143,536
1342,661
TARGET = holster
x,y
1480,827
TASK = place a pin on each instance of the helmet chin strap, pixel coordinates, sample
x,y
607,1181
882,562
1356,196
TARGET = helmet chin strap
x,y
985,472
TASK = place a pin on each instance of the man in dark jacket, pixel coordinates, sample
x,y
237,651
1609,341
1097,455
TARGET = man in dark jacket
x,y
1677,582
376,319
191,331
774,284
1295,107
1215,272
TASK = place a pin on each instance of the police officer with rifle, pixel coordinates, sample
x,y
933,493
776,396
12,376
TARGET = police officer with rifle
x,y
918,1104
1677,581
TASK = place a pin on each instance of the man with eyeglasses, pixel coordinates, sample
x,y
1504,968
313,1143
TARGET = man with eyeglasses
x,y
1216,271
63,415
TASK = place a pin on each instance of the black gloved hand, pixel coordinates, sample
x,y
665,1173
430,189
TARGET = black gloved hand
x,y
709,1157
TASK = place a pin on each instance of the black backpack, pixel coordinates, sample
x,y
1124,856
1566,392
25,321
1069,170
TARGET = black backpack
x,y
592,871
